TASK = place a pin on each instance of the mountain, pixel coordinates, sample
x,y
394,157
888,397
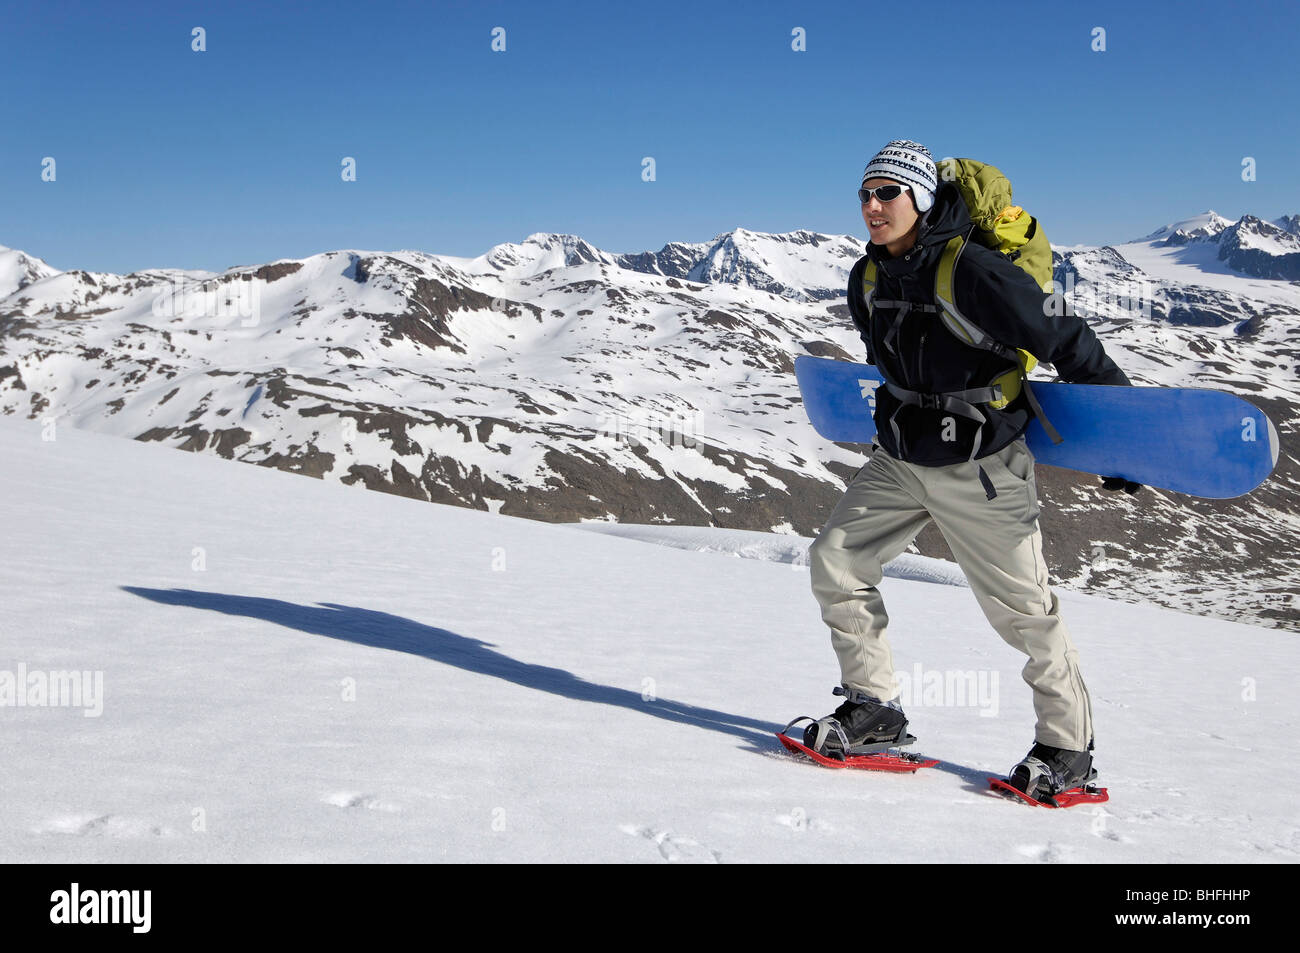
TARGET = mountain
x,y
1174,314
513,382
18,270
801,266
1260,248
292,671
553,380
1203,227
1249,246
536,254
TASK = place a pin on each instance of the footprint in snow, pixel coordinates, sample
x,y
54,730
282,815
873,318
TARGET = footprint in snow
x,y
1101,828
675,848
1048,853
368,802
797,820
103,825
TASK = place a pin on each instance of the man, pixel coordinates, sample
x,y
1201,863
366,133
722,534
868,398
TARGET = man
x,y
969,472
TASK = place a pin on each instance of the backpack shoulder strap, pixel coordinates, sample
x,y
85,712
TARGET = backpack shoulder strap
x,y
870,275
953,318
967,330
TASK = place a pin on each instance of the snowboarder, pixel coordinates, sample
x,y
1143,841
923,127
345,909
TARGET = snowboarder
x,y
935,459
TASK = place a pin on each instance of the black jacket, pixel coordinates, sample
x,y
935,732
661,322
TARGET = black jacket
x,y
926,357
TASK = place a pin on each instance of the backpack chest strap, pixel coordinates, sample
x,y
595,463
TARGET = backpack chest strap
x,y
955,401
960,402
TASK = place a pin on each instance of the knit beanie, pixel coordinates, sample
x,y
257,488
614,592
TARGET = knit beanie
x,y
910,163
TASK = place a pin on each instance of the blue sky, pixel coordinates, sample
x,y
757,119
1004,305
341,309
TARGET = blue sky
x,y
172,158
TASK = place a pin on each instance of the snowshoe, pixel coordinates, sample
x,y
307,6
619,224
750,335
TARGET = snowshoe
x,y
1052,777
877,759
858,734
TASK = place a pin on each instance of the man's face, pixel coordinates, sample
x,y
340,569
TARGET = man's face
x,y
888,221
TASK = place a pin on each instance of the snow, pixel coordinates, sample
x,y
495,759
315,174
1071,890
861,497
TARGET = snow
x,y
1278,243
18,269
295,670
1208,222
1198,264
773,547
537,253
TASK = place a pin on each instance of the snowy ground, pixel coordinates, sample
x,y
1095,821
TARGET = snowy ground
x,y
296,670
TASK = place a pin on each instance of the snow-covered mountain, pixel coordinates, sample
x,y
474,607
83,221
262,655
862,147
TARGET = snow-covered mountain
x,y
1289,223
801,266
284,670
566,392
537,253
18,270
1259,248
1174,313
1249,246
553,380
1203,227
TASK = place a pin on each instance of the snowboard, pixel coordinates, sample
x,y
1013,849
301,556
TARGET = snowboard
x,y
1201,442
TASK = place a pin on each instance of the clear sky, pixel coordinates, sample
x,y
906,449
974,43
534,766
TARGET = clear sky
x,y
167,157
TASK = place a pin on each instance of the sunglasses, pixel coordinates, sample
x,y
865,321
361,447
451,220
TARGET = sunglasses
x,y
885,193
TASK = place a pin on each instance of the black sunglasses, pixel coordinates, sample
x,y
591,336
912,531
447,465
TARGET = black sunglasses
x,y
885,193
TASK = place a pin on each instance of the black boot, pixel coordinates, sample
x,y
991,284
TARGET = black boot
x,y
862,725
1047,771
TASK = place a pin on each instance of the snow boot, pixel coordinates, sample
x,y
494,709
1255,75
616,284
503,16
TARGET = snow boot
x,y
862,725
1046,771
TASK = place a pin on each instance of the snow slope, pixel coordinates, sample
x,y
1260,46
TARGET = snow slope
x,y
774,547
533,692
1197,264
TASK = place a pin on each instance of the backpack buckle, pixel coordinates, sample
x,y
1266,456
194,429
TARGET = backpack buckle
x,y
932,401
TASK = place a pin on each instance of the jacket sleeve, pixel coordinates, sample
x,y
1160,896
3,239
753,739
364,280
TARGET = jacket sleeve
x,y
1007,303
858,307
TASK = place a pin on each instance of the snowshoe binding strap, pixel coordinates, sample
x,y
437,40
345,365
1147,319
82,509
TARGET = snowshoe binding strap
x,y
822,729
1028,775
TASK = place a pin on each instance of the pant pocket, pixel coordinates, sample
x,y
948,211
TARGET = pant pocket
x,y
1018,460
1017,482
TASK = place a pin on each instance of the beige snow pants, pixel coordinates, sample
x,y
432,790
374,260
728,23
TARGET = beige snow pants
x,y
997,544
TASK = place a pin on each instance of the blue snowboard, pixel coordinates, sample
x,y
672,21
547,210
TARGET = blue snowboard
x,y
1197,441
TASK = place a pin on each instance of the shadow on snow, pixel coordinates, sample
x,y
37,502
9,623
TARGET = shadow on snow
x,y
383,630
